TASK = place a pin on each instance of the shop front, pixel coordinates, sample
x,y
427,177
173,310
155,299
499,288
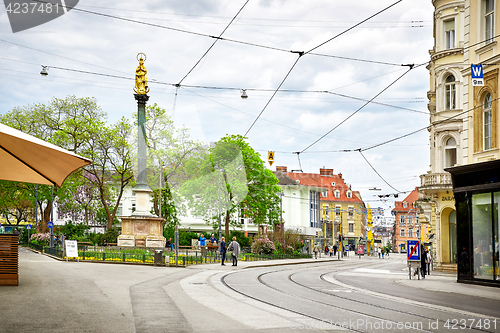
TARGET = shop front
x,y
476,189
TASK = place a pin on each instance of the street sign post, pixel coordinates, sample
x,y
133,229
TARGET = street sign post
x,y
50,224
413,247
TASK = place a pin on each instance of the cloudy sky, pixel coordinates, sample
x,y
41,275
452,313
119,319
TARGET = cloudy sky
x,y
344,69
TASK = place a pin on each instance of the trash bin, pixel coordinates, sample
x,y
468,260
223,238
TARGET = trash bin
x,y
158,258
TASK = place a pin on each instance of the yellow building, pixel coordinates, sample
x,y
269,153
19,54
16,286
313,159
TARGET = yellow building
x,y
343,212
446,133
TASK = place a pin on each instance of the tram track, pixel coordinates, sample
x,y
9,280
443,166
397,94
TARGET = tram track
x,y
334,299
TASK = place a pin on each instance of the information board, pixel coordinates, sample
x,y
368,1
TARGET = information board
x,y
71,249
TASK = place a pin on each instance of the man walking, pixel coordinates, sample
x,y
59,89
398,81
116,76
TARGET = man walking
x,y
222,250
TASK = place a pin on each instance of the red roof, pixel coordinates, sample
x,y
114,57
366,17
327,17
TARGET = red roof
x,y
325,181
410,199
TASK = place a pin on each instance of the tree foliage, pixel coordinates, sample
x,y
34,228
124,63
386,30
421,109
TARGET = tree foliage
x,y
79,125
232,176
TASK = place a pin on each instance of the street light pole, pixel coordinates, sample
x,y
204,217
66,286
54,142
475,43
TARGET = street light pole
x,y
220,222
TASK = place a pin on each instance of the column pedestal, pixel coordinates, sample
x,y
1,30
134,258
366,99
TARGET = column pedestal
x,y
142,231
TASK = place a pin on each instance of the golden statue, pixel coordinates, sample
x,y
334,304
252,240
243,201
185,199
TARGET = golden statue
x,y
141,79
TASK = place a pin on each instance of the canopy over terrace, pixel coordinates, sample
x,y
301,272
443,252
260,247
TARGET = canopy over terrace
x,y
24,158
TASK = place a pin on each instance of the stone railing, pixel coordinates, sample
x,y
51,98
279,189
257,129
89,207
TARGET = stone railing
x,y
435,180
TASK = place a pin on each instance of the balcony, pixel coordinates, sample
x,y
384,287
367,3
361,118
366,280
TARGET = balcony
x,y
436,181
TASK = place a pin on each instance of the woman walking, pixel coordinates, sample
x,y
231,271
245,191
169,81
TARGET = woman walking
x,y
234,246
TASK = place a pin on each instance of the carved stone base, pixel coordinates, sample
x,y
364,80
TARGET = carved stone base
x,y
142,231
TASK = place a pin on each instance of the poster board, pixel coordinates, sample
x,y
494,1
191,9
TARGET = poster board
x,y
71,249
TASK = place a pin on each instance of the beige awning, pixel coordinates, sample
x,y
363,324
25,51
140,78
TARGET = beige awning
x,y
24,158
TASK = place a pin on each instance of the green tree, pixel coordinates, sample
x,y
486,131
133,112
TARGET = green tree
x,y
79,125
169,149
245,184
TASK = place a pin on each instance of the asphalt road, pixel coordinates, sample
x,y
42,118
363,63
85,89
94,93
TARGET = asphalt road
x,y
362,295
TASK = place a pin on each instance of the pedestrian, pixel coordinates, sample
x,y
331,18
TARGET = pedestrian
x,y
335,250
326,249
423,258
202,240
169,244
379,251
222,250
330,249
234,246
428,262
383,252
387,251
213,240
316,250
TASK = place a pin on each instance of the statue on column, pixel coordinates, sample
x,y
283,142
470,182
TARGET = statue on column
x,y
141,79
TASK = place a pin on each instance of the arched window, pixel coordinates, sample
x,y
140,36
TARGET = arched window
x,y
450,93
450,152
487,123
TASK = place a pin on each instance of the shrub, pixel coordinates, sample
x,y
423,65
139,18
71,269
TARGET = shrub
x,y
41,239
263,246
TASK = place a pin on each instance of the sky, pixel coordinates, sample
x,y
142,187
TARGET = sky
x,y
91,51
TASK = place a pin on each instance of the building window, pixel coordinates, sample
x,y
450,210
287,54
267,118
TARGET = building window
x,y
487,125
337,194
450,93
402,220
410,232
351,227
450,152
489,21
410,220
350,211
449,34
402,233
405,204
349,194
337,211
324,194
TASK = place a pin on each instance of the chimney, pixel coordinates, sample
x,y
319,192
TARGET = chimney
x,y
326,172
281,168
340,175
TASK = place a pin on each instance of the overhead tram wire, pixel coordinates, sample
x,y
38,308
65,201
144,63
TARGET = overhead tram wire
x,y
378,174
215,41
354,26
60,56
154,81
301,53
274,93
420,129
359,109
218,38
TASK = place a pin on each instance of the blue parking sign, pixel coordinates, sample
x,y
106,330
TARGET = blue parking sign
x,y
413,247
476,72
